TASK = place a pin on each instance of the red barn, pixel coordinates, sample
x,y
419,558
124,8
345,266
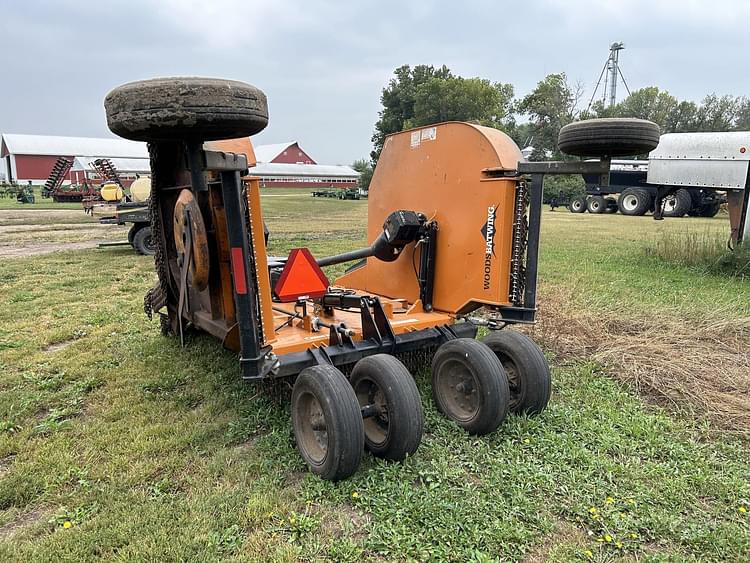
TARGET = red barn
x,y
31,157
287,165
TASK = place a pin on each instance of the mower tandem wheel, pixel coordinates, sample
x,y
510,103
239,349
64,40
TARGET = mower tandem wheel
x,y
383,383
527,369
327,422
470,386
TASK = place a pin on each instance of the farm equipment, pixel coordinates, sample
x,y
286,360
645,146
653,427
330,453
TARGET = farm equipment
x,y
350,193
438,267
114,207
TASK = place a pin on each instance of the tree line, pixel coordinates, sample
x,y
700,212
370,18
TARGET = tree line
x,y
423,95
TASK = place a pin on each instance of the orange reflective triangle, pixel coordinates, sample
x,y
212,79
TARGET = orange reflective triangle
x,y
301,277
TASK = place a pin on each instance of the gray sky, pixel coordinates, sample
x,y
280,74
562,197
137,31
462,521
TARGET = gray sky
x,y
323,63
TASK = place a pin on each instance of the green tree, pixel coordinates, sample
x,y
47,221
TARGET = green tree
x,y
716,113
551,105
399,98
365,169
425,95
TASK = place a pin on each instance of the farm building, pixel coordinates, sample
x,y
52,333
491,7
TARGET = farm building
x,y
287,165
31,157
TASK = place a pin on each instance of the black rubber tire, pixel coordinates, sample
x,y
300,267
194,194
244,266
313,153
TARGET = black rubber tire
x,y
529,377
131,233
469,357
609,137
143,243
578,205
323,390
186,108
611,205
634,201
708,210
596,204
677,204
397,430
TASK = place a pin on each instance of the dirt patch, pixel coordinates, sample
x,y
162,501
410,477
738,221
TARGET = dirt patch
x,y
57,346
564,533
5,464
12,251
701,364
23,521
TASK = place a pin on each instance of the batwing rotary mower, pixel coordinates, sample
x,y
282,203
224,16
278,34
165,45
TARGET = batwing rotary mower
x,y
453,225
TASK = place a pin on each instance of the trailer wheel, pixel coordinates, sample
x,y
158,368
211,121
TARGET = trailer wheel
x,y
609,137
677,204
131,233
383,382
596,204
143,242
707,210
327,422
469,385
578,205
173,109
633,201
528,372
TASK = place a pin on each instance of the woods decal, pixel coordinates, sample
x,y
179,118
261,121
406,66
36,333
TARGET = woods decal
x,y
488,232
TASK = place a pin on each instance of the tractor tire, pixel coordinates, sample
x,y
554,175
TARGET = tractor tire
x,y
469,385
395,431
596,204
529,377
677,204
634,201
327,422
608,137
143,243
611,205
175,109
578,205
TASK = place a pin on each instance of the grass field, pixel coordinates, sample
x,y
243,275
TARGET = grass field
x,y
117,444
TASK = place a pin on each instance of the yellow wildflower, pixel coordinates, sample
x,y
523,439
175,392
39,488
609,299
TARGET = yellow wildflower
x,y
607,538
633,535
67,524
742,509
618,545
609,500
593,510
526,441
588,553
355,494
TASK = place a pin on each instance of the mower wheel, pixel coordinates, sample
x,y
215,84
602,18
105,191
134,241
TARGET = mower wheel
x,y
596,204
327,422
469,385
677,204
578,205
528,373
395,429
143,242
609,137
189,108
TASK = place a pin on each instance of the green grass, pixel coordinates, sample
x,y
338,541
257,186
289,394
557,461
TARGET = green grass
x,y
117,444
39,202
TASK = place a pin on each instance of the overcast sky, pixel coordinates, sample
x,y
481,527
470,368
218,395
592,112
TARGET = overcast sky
x,y
322,64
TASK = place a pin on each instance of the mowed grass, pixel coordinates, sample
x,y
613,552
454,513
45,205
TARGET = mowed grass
x,y
115,443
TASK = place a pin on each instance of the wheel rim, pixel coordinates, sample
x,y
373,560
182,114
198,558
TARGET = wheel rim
x,y
577,205
377,427
515,382
670,202
595,206
630,202
458,389
150,244
313,431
